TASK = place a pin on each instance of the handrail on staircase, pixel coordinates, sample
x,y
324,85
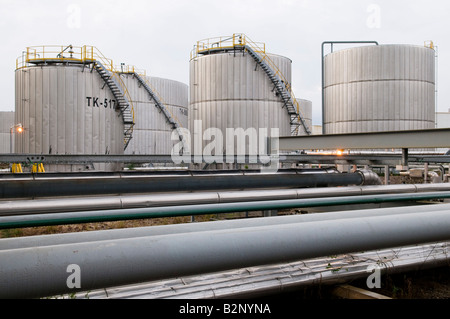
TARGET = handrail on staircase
x,y
158,99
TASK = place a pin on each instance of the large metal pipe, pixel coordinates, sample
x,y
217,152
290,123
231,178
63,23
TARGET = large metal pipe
x,y
256,282
48,187
20,221
158,171
83,237
53,205
44,271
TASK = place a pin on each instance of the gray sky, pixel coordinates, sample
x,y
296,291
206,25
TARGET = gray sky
x,y
158,35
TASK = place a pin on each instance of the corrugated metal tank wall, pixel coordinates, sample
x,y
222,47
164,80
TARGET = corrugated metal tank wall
x,y
443,121
6,122
306,112
55,105
229,90
152,133
379,88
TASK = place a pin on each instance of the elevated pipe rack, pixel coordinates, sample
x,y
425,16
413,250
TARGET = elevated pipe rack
x,y
34,220
113,234
59,205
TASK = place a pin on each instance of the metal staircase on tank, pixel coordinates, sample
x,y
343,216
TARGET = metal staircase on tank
x,y
126,110
258,52
160,104
283,91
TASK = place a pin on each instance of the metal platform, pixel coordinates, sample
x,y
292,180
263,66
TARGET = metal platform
x,y
360,159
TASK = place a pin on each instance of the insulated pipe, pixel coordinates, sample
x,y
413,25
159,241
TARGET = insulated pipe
x,y
38,206
265,280
47,187
46,271
191,210
71,238
156,172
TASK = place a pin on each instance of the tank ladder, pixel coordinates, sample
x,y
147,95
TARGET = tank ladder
x,y
283,90
156,97
121,95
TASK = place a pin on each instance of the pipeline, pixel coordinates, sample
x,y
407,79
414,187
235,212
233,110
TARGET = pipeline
x,y
256,282
82,186
161,171
36,220
83,237
43,271
54,205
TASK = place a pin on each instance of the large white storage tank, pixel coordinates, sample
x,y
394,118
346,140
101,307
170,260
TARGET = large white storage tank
x,y
228,89
152,132
55,104
67,107
379,88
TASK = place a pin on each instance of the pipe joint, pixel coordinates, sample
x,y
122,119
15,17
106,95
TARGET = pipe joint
x,y
369,177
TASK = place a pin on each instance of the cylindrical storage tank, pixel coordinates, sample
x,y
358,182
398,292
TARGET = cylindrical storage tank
x,y
6,122
229,90
379,88
306,112
67,109
152,132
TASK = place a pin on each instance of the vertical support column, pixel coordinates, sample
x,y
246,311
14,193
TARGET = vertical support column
x,y
405,158
404,165
386,175
425,173
11,140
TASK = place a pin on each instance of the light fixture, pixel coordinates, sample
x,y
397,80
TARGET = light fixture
x,y
18,128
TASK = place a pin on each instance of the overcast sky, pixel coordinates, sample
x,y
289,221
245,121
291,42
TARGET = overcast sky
x,y
158,35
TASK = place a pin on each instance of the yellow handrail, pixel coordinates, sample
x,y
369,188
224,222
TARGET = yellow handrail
x,y
130,69
162,100
125,91
222,43
91,53
49,53
84,54
429,44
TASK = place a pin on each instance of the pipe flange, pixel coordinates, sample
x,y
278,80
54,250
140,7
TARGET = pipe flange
x,y
369,177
